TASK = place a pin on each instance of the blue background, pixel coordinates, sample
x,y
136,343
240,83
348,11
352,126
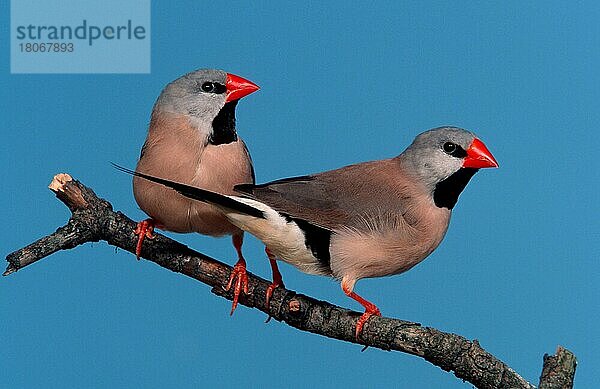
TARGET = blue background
x,y
341,83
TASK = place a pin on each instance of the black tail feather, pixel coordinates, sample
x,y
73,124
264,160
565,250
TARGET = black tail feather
x,y
198,193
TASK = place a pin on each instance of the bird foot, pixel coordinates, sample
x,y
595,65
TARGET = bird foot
x,y
144,229
275,284
370,308
239,280
369,311
277,280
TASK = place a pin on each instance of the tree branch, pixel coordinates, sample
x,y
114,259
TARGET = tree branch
x,y
93,219
558,370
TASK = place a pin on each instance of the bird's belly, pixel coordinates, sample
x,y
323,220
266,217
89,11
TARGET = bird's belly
x,y
178,214
219,169
208,220
367,255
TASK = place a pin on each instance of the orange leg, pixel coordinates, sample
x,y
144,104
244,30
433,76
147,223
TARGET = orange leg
x,y
144,229
238,274
277,281
370,308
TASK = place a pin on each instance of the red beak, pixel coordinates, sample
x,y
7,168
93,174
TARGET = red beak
x,y
478,156
238,87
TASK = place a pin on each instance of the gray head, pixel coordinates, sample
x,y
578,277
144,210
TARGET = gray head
x,y
445,159
207,96
200,94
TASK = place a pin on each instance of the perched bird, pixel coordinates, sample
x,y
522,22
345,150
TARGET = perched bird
x,y
370,219
192,139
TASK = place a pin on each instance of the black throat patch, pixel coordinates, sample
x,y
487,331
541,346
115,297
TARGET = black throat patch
x,y
223,125
445,194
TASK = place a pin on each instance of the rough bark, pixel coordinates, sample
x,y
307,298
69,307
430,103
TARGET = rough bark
x,y
93,219
558,370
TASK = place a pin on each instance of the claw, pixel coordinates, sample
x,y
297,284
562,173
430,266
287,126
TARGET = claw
x,y
370,308
238,274
144,229
239,280
274,285
363,319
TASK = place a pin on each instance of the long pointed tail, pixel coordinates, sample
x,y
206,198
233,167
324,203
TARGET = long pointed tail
x,y
221,201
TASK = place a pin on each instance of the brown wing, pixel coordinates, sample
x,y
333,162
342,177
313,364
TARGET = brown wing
x,y
334,198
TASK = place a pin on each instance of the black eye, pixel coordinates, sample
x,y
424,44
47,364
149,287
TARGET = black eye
x,y
454,150
208,87
449,147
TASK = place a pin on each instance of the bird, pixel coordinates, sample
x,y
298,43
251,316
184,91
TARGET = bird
x,y
366,220
192,138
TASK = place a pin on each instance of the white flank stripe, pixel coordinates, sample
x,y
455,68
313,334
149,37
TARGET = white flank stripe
x,y
284,239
